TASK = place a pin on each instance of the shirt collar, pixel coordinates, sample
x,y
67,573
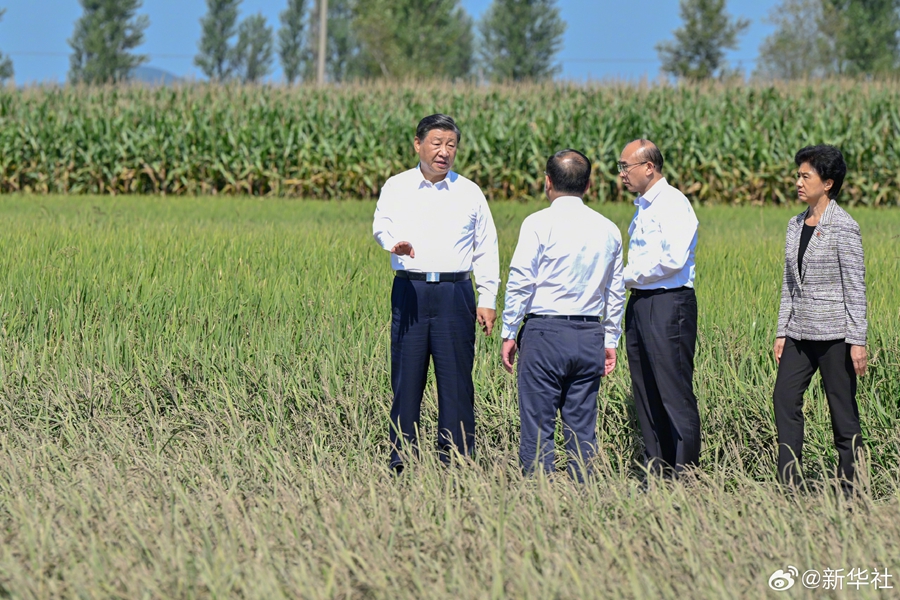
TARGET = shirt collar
x,y
567,201
443,184
650,195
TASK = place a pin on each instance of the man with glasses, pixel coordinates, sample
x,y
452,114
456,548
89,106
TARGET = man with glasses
x,y
661,314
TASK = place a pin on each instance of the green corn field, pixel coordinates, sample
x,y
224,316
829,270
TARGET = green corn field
x,y
195,402
723,144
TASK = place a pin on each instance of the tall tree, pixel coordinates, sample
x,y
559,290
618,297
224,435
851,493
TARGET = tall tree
x,y
6,66
803,43
815,38
217,55
290,39
253,53
698,50
414,38
104,37
520,39
868,42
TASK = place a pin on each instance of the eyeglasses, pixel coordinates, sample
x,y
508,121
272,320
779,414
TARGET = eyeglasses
x,y
625,167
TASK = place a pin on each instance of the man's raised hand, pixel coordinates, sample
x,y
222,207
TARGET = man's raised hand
x,y
403,249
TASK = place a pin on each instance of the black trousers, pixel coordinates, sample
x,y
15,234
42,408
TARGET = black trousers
x,y
560,365
799,361
432,320
661,338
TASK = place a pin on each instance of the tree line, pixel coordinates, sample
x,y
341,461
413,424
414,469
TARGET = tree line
x,y
515,40
812,39
366,39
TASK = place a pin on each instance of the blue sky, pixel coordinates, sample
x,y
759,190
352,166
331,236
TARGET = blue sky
x,y
605,39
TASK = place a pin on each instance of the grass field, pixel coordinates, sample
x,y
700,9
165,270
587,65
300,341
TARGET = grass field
x,y
195,401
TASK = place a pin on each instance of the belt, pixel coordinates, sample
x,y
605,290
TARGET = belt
x,y
583,318
432,277
655,292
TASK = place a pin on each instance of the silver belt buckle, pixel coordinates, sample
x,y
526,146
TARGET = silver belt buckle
x,y
432,277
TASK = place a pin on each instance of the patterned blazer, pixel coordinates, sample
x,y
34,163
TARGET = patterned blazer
x,y
827,301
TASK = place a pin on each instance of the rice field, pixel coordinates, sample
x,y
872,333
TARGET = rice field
x,y
194,399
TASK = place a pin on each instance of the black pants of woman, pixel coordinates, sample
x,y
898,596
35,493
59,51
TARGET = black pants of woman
x,y
799,361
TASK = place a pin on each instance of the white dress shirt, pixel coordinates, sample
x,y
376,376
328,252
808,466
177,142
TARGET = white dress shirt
x,y
568,262
448,224
663,238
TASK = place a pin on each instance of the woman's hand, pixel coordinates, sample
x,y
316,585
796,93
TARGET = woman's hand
x,y
859,358
778,349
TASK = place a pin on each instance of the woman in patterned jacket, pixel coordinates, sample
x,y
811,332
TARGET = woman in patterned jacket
x,y
822,319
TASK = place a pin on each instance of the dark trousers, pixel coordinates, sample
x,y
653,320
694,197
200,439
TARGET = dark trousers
x,y
799,361
661,337
432,320
560,365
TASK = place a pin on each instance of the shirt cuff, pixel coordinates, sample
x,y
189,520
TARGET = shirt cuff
x,y
388,243
628,278
507,333
486,300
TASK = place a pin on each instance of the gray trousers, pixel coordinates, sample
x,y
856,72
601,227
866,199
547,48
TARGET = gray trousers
x,y
560,365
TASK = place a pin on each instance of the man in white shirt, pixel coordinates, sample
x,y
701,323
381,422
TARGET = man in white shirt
x,y
437,226
565,280
661,315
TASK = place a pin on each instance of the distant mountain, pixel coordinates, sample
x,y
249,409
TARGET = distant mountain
x,y
154,76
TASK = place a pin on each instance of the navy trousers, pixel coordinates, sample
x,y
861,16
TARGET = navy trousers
x,y
799,361
560,365
661,337
432,321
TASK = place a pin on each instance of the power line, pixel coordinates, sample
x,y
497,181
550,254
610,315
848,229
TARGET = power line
x,y
630,60
606,60
55,54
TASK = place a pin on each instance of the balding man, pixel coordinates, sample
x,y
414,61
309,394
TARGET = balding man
x,y
565,279
661,315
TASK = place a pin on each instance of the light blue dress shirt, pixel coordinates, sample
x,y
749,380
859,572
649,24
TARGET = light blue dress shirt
x,y
568,262
662,240
448,224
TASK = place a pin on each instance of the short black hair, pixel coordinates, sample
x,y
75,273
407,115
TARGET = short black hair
x,y
651,153
569,171
438,121
828,163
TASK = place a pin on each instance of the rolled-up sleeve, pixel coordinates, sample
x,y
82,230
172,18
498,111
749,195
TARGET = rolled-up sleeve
x,y
853,279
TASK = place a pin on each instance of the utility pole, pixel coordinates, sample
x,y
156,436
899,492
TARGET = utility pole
x,y
323,40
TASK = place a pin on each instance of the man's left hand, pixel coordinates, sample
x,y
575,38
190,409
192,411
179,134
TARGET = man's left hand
x,y
486,318
610,362
508,354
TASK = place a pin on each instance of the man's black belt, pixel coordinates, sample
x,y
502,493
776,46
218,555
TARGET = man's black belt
x,y
433,277
583,318
647,293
